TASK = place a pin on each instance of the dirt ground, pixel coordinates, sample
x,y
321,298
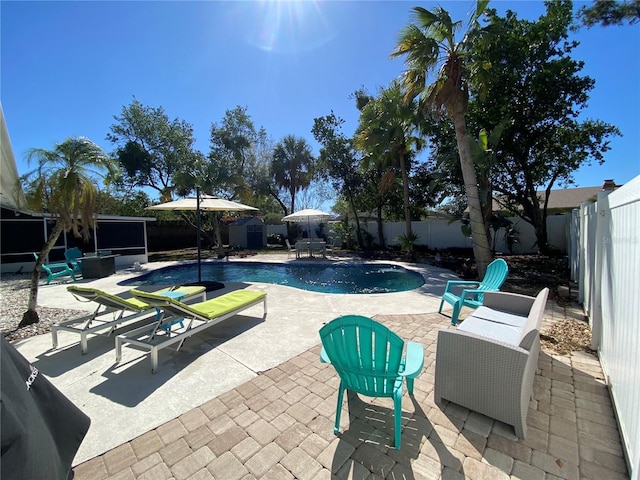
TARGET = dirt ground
x,y
528,274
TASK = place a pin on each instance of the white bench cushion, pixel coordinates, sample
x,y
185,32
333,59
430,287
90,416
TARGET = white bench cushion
x,y
486,313
502,332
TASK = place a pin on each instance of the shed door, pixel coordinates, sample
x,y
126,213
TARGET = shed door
x,y
254,236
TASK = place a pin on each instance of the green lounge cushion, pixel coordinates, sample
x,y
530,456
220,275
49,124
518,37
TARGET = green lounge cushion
x,y
209,309
227,303
132,303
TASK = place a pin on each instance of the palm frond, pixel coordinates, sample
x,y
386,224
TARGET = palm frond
x,y
424,17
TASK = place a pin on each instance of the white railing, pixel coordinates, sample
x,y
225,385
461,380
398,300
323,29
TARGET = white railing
x,y
609,266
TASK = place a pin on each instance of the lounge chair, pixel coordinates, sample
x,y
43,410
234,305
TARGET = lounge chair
x,y
290,249
56,270
368,359
197,316
331,245
71,256
473,292
111,311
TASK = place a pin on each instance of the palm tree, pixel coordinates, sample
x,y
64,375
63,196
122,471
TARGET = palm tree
x,y
387,132
430,46
292,166
63,186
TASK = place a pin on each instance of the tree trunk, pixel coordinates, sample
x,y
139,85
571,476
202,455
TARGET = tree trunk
x,y
481,249
405,192
540,227
542,239
357,220
292,194
381,240
536,216
486,201
218,234
275,196
542,236
31,315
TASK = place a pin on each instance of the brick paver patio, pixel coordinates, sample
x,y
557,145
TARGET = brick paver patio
x,y
280,426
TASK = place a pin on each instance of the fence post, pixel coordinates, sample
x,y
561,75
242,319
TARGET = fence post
x,y
573,243
582,254
602,219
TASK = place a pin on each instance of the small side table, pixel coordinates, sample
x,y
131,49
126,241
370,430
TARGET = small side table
x,y
98,266
176,296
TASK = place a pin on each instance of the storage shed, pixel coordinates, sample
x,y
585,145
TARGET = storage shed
x,y
248,232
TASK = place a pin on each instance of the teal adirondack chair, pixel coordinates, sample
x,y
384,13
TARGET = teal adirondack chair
x,y
472,294
56,270
368,358
71,256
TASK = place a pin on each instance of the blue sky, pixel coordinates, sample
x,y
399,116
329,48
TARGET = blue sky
x,y
68,67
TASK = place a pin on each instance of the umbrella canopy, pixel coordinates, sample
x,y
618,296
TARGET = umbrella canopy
x,y
306,215
199,203
207,202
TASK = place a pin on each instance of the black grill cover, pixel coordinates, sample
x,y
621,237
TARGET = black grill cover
x,y
41,429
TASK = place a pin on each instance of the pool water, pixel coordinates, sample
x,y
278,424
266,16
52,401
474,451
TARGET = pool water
x,y
326,278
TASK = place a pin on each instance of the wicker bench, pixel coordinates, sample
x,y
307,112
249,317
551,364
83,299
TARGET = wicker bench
x,y
488,363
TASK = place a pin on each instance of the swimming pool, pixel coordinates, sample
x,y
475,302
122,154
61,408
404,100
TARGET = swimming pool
x,y
326,278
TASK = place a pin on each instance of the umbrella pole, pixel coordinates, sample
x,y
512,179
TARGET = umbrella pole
x,y
198,239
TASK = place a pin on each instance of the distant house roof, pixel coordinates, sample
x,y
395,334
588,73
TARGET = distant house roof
x,y
245,220
565,198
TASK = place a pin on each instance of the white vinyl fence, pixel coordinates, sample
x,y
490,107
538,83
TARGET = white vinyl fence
x,y
608,268
441,234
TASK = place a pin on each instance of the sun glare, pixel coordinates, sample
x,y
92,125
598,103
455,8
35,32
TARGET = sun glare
x,y
287,26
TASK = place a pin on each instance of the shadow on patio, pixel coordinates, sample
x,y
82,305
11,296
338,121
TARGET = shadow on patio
x,y
280,425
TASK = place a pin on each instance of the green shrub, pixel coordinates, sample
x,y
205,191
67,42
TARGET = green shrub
x,y
275,239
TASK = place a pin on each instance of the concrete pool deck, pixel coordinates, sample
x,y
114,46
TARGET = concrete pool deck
x,y
126,400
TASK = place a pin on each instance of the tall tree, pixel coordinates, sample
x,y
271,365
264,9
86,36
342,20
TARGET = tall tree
x,y
445,165
381,193
150,147
339,162
63,186
537,86
388,134
429,45
610,12
293,166
235,150
113,201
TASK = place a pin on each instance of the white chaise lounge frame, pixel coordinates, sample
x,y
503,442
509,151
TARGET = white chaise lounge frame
x,y
109,314
158,338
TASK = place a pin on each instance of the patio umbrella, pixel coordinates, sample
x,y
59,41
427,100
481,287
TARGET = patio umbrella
x,y
307,215
199,203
